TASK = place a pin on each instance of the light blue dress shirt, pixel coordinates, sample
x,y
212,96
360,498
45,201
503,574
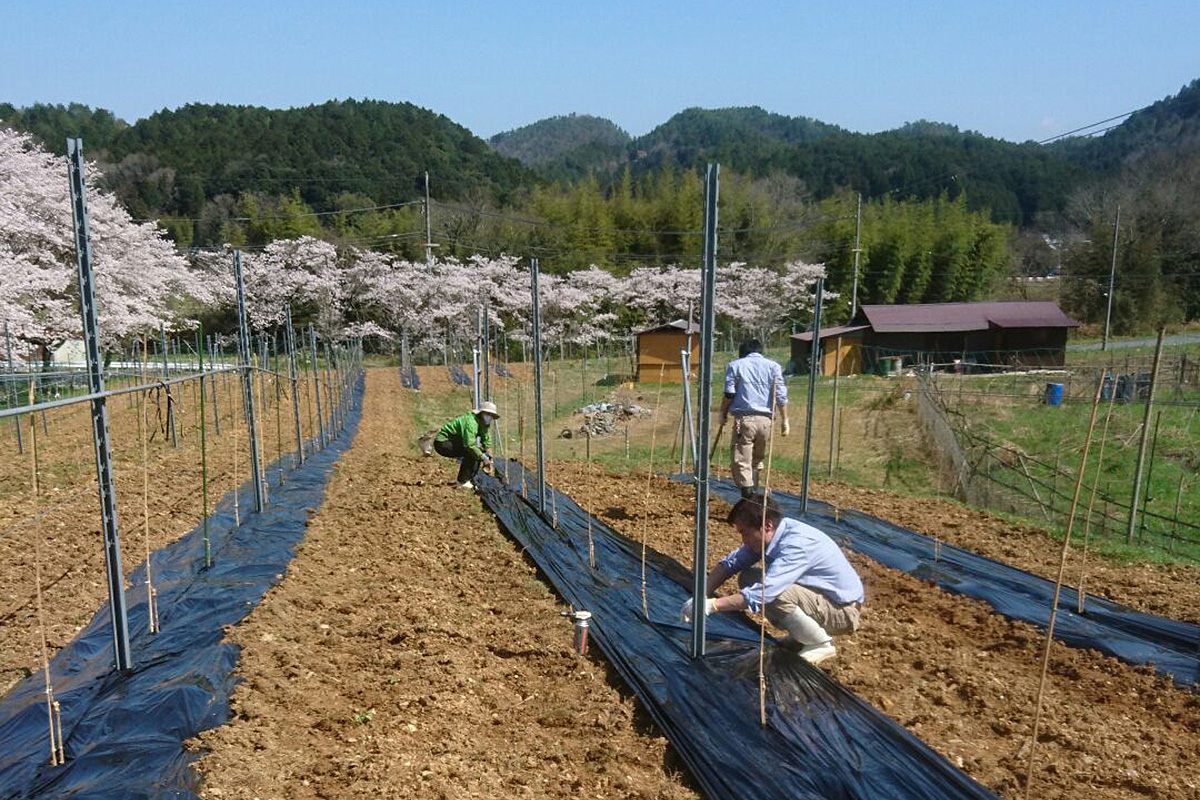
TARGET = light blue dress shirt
x,y
750,381
798,553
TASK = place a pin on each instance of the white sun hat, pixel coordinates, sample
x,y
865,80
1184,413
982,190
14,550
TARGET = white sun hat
x,y
488,407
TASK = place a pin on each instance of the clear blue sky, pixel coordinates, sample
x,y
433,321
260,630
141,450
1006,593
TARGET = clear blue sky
x,y
1013,69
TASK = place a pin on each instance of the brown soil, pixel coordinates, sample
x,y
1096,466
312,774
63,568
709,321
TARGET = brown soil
x,y
1170,590
62,529
412,652
960,676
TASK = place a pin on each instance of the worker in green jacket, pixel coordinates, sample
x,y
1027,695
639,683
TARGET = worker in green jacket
x,y
468,438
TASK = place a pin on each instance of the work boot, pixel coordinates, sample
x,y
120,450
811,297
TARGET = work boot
x,y
466,485
815,644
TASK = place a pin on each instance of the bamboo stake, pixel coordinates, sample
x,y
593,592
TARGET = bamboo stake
x,y
646,494
203,455
591,541
1081,599
278,410
233,427
1062,567
56,749
762,622
143,404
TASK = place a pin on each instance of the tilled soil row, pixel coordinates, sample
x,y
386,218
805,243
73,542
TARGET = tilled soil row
x,y
412,652
957,674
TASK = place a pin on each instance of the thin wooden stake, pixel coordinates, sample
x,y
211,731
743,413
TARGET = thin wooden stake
x,y
591,541
143,405
56,749
762,622
1062,568
646,494
1081,599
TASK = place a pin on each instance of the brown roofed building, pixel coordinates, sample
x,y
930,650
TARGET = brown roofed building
x,y
1017,333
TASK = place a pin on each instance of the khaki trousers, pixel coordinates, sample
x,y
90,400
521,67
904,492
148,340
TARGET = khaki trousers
x,y
835,619
748,448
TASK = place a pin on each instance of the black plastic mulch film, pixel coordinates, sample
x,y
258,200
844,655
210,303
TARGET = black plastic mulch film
x,y
1172,647
124,732
821,742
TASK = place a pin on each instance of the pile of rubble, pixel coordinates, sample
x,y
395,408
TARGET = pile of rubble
x,y
602,419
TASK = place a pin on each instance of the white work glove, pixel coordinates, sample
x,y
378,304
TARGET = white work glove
x,y
787,428
685,613
487,461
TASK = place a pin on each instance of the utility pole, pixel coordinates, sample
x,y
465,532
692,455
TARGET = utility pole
x,y
857,251
1112,274
429,245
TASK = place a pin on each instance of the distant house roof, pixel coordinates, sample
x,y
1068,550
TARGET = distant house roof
x,y
840,330
946,317
680,325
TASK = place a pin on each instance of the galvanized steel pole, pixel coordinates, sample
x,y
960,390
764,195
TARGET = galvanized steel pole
x,y
814,371
707,317
166,370
247,378
212,381
100,435
535,316
312,349
294,376
12,385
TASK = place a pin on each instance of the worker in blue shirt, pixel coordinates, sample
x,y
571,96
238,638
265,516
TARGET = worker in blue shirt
x,y
809,590
754,391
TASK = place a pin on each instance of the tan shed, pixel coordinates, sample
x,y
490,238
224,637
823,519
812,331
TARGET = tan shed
x,y
659,351
841,350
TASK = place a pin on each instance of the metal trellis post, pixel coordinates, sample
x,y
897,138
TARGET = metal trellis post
x,y
247,378
212,382
99,407
312,349
166,371
293,375
12,386
708,294
535,317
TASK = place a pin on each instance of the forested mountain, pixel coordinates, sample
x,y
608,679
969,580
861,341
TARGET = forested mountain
x,y
1171,124
175,163
52,124
1015,182
744,138
568,138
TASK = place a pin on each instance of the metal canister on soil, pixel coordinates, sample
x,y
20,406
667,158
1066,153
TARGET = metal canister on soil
x,y
581,631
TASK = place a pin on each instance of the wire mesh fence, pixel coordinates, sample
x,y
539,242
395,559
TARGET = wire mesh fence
x,y
1004,450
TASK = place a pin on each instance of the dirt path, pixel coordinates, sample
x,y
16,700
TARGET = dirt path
x,y
412,652
961,677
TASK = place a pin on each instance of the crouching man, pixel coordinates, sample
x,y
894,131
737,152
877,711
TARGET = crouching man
x,y
811,591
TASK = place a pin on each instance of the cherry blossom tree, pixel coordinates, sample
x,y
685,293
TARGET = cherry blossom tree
x,y
140,280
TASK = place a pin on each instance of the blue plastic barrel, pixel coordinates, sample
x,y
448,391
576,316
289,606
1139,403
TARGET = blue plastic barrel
x,y
1054,394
